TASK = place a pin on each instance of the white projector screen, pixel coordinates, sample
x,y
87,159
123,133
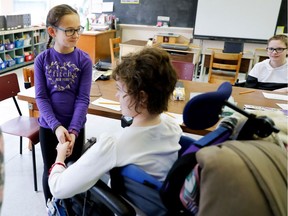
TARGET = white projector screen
x,y
247,20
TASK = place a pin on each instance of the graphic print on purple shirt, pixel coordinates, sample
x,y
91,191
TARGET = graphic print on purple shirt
x,y
58,74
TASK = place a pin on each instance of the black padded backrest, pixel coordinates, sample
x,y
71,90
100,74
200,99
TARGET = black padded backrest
x,y
203,110
9,86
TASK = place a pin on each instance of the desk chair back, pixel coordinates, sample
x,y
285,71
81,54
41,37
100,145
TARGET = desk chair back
x,y
184,70
28,75
260,54
21,126
114,50
224,67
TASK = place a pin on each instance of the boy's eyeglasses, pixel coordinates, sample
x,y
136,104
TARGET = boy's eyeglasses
x,y
70,31
278,50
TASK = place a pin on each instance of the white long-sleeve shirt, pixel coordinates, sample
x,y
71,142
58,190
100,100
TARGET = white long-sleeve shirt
x,y
153,148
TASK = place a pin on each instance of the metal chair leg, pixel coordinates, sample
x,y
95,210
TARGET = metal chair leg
x,y
34,167
21,139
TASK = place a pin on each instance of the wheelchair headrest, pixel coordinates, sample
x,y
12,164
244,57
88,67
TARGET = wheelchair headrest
x,y
203,110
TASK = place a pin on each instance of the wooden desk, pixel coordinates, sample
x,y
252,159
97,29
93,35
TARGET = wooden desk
x,y
108,91
96,44
190,56
246,62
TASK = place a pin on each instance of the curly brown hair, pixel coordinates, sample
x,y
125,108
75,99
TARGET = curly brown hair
x,y
149,70
54,16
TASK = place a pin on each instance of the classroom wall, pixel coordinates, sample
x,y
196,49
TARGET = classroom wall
x,y
6,7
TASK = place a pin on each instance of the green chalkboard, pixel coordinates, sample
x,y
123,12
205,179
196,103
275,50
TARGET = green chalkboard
x,y
181,12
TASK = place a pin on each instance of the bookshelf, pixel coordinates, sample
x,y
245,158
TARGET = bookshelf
x,y
19,47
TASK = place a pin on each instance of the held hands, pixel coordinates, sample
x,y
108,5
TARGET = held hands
x,y
62,134
64,137
71,145
62,149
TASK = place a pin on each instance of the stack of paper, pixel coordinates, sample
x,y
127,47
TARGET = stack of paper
x,y
110,104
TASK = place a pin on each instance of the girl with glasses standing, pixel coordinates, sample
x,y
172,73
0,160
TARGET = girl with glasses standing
x,y
63,77
272,73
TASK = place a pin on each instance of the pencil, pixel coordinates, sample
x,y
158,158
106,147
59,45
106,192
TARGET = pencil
x,y
169,114
109,103
246,92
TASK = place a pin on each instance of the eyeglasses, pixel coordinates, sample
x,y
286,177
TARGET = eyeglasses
x,y
70,31
278,50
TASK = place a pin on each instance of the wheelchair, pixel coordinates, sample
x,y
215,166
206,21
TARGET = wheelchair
x,y
133,192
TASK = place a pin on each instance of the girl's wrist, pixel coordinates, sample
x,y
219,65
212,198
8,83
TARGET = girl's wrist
x,y
72,131
60,158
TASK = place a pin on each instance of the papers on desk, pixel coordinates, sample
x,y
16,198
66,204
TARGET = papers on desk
x,y
283,106
96,74
110,104
275,96
254,107
99,27
114,105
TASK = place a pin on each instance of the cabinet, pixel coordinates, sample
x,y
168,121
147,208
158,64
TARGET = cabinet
x,y
18,48
96,44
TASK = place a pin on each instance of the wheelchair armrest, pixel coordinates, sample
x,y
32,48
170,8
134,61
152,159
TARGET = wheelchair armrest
x,y
139,175
111,200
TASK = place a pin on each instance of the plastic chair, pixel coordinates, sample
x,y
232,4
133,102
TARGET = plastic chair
x,y
114,50
224,67
185,70
260,54
21,126
28,75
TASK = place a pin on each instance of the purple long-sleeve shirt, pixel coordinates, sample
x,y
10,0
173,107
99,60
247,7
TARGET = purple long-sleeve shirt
x,y
62,87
